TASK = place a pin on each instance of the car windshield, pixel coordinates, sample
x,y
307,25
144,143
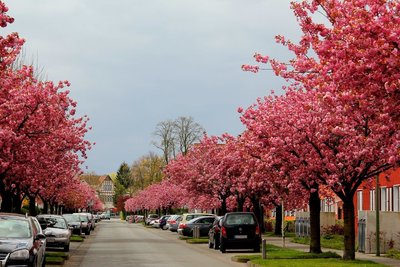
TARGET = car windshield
x,y
71,218
234,219
14,228
83,218
54,222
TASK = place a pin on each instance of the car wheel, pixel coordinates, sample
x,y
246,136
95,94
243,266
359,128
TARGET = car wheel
x,y
210,245
44,261
222,247
66,248
216,243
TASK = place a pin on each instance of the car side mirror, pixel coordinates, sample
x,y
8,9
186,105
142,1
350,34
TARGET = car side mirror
x,y
40,237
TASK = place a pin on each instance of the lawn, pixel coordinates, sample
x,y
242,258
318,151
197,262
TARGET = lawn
x,y
77,238
329,241
56,257
314,263
285,257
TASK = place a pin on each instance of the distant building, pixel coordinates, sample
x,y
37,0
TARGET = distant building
x,y
104,187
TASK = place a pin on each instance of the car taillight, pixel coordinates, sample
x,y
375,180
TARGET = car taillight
x,y
172,222
223,231
182,226
257,230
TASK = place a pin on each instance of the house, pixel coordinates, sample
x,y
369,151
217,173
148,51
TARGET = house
x,y
104,187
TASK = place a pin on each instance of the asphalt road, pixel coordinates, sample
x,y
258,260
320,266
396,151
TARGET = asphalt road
x,y
117,243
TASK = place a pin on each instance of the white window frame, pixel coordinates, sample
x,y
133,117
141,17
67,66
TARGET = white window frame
x,y
360,200
384,197
396,198
372,199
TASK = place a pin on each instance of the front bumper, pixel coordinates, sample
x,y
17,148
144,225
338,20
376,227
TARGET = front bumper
x,y
57,241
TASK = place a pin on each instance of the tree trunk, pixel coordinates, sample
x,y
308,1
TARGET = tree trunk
x,y
258,212
240,203
223,208
45,207
51,208
6,204
349,229
32,206
17,202
278,220
315,224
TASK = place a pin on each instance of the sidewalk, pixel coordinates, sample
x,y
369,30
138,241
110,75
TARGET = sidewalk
x,y
277,241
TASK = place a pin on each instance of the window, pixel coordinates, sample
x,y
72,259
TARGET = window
x,y
396,198
107,186
372,199
360,200
384,202
327,205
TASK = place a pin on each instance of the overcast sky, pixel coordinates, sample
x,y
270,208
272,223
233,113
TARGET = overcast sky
x,y
133,64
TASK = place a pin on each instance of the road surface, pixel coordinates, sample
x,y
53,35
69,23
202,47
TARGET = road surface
x,y
117,243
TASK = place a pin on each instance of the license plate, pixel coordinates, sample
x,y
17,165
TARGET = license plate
x,y
51,240
240,236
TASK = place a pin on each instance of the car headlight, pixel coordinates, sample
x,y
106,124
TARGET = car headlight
x,y
22,254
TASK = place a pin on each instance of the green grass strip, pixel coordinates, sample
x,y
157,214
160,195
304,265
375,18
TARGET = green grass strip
x,y
330,241
76,238
315,263
55,260
57,254
197,240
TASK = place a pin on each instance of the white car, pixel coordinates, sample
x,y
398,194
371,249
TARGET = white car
x,y
56,229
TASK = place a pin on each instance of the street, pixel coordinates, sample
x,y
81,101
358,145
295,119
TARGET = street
x,y
117,243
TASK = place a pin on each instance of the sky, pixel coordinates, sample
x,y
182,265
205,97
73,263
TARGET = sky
x,y
133,64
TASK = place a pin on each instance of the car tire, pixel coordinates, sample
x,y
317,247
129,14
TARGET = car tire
x,y
222,247
66,248
43,261
216,243
210,245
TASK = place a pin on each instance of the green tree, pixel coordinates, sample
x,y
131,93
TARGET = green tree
x,y
124,176
146,171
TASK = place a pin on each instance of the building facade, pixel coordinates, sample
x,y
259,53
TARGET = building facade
x,y
104,187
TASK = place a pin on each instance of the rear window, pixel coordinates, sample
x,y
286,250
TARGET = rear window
x,y
234,219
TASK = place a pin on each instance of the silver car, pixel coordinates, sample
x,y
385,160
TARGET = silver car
x,y
56,229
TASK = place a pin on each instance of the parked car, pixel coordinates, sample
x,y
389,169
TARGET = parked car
x,y
173,222
162,222
150,218
138,218
105,216
155,223
189,216
56,230
214,234
85,222
204,224
96,218
23,242
239,230
74,223
91,218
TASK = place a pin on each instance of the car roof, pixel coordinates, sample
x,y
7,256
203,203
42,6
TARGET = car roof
x,y
49,216
13,215
202,217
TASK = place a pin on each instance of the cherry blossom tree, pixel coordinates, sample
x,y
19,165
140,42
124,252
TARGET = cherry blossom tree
x,y
351,63
40,139
196,172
